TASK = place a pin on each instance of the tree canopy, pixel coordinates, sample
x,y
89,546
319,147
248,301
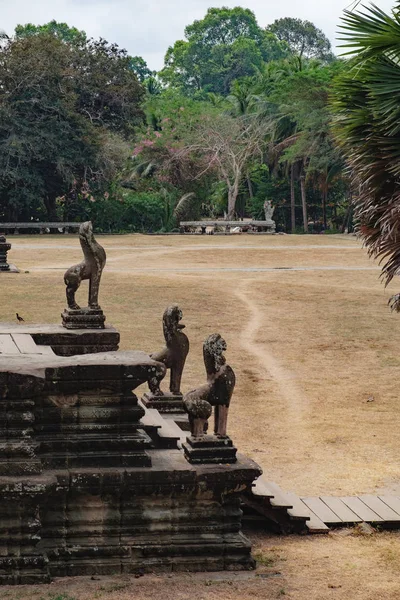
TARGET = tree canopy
x,y
239,114
60,106
304,39
225,45
60,30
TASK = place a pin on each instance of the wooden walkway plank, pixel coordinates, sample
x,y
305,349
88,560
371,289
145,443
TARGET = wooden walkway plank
x,y
341,510
381,509
322,511
299,510
361,509
271,490
392,501
7,345
314,524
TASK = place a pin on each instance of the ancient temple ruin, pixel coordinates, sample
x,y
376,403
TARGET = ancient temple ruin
x,y
92,481
5,247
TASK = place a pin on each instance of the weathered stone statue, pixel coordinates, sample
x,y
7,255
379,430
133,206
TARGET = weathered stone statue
x,y
173,356
217,393
4,248
199,411
90,268
268,210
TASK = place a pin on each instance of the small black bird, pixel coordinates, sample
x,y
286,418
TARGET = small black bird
x,y
20,319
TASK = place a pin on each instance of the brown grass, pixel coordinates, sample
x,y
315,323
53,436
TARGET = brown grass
x,y
311,349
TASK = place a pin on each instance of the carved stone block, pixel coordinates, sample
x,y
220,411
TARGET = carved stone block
x,y
167,403
83,318
210,449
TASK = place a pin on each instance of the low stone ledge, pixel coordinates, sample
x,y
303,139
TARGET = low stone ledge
x,y
66,342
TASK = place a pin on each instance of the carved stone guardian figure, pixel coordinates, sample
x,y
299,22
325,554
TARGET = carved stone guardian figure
x,y
269,212
173,356
91,268
217,393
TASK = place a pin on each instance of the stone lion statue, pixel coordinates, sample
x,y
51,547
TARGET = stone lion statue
x,y
90,268
217,392
174,354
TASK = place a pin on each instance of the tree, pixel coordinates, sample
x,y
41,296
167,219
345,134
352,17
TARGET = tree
x,y
139,66
226,44
60,30
303,38
63,110
226,145
367,105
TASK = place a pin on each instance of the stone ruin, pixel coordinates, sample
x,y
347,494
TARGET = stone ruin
x,y
5,247
92,481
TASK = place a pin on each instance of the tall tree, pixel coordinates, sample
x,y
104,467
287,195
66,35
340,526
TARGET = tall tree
x,y
225,45
228,146
304,39
59,105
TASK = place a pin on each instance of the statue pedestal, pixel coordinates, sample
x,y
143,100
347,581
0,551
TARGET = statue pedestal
x,y
83,318
8,268
209,449
168,403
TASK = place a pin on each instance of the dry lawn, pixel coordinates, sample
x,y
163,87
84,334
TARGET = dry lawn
x,y
315,351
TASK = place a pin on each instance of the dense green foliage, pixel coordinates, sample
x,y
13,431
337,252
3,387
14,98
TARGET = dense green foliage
x,y
62,31
65,113
238,114
226,45
303,38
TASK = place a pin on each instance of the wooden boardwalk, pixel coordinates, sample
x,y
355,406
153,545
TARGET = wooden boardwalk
x,y
288,512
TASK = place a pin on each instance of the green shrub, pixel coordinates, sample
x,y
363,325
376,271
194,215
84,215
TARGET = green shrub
x,y
131,212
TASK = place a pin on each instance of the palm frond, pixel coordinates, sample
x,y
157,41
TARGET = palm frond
x,y
366,102
184,205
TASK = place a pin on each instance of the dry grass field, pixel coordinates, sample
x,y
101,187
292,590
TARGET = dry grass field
x,y
315,351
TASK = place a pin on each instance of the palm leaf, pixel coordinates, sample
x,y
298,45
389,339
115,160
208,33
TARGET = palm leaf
x,y
366,102
184,205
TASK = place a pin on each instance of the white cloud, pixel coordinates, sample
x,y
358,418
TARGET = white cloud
x,y
148,27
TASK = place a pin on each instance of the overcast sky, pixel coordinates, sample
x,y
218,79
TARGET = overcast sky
x,y
147,27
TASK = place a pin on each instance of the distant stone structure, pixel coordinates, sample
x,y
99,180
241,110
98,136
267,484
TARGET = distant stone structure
x,y
4,249
225,227
91,268
173,356
217,393
268,210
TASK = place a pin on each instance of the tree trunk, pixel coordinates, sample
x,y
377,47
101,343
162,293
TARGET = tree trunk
x,y
324,201
50,204
304,202
233,191
292,201
249,186
347,218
